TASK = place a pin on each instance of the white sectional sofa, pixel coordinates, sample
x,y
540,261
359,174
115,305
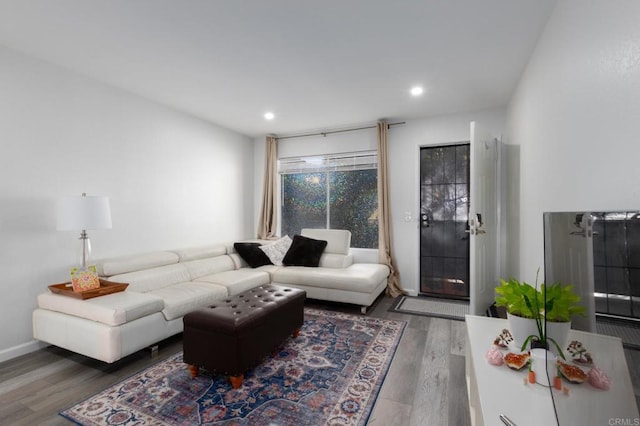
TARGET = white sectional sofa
x,y
166,285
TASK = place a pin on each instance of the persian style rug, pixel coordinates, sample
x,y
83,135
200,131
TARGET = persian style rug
x,y
431,307
330,374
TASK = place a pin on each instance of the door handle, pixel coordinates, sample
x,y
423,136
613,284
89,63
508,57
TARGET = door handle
x,y
475,225
425,220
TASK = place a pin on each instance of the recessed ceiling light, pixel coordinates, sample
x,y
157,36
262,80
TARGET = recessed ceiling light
x,y
416,91
269,116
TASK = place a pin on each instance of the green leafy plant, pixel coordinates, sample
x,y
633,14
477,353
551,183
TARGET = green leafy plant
x,y
517,297
561,303
541,338
554,303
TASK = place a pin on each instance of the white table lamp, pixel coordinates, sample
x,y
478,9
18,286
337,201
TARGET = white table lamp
x,y
79,213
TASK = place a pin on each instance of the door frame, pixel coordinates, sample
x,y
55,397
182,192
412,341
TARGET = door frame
x,y
416,208
502,185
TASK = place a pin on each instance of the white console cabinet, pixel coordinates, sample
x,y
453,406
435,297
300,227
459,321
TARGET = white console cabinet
x,y
500,390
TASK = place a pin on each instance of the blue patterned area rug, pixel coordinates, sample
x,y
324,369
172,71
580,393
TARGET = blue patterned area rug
x,y
330,374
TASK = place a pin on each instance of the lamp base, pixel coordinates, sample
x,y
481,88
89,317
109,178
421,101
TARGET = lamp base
x,y
86,250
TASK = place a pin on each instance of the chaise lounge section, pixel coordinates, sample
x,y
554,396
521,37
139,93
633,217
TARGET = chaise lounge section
x,y
344,274
164,286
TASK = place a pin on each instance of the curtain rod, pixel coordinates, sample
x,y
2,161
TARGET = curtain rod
x,y
338,131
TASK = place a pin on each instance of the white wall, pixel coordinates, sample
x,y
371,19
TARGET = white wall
x,y
404,170
575,118
404,154
173,180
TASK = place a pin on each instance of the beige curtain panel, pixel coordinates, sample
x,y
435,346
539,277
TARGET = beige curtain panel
x,y
385,235
267,222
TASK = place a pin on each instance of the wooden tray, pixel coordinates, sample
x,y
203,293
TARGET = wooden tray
x,y
106,287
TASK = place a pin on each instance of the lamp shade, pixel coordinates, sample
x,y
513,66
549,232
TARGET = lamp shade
x,y
83,212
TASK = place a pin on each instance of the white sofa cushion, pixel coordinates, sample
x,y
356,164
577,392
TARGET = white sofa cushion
x,y
358,277
200,268
121,265
194,253
238,261
332,260
239,280
182,298
112,309
270,269
338,240
154,278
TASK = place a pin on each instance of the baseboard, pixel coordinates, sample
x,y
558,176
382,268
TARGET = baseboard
x,y
19,350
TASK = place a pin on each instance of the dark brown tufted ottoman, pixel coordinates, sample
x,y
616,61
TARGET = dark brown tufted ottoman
x,y
234,335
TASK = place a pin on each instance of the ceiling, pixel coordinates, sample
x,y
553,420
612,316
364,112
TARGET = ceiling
x,y
316,65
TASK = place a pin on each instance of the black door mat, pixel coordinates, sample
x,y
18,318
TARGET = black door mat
x,y
431,307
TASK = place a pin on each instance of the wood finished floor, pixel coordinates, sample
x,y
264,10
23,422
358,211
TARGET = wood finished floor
x,y
425,384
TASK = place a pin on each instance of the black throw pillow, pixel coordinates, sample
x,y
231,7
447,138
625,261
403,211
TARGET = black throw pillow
x,y
252,254
304,251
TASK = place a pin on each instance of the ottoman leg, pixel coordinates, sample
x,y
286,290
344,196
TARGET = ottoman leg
x,y
236,381
193,369
296,332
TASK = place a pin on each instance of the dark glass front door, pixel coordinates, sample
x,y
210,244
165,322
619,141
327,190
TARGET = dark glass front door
x,y
444,209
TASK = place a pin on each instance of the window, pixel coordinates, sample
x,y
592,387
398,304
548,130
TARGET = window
x,y
331,191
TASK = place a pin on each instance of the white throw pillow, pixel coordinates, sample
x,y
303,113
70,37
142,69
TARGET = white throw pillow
x,y
276,251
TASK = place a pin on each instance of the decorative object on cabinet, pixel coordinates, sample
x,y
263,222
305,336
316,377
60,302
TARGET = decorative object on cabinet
x,y
495,390
106,287
84,279
539,315
579,353
543,363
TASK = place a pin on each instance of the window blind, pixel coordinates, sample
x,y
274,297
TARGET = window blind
x,y
362,160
